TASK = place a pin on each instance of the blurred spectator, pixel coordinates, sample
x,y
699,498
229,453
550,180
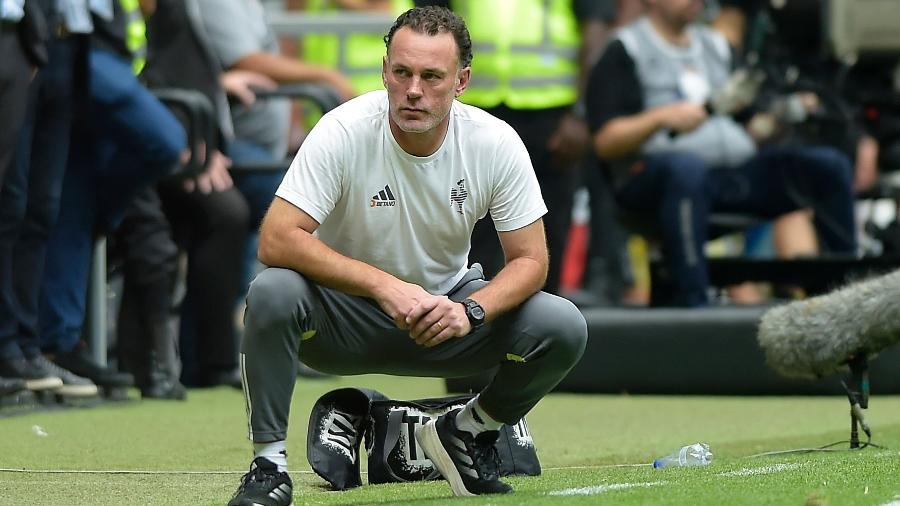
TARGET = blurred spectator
x,y
205,215
17,66
124,141
674,162
609,274
532,58
147,342
30,199
787,37
792,234
215,227
15,69
240,38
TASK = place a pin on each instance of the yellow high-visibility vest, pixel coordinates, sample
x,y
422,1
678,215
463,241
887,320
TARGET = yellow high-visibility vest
x,y
525,52
358,55
135,34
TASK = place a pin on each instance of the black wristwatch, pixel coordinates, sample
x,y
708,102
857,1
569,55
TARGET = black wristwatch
x,y
474,312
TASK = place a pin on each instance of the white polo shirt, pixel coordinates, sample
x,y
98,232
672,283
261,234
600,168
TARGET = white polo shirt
x,y
411,216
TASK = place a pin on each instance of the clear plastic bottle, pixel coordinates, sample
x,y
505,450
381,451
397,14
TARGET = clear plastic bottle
x,y
697,454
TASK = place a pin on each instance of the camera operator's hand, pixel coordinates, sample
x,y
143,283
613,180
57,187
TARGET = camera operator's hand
x,y
763,127
682,117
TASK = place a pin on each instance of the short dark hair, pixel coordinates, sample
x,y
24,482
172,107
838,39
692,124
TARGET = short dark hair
x,y
432,20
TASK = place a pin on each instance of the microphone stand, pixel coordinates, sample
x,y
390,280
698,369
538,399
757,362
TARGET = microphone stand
x,y
858,396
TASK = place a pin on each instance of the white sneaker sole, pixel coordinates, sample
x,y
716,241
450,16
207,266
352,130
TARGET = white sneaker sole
x,y
429,441
78,390
39,384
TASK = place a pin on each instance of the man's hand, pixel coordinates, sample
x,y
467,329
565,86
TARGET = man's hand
x,y
214,179
683,116
340,83
240,84
569,142
399,298
436,319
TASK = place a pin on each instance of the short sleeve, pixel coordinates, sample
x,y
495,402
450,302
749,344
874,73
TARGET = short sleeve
x,y
232,29
613,88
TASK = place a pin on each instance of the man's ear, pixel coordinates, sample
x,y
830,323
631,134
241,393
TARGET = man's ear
x,y
462,80
384,69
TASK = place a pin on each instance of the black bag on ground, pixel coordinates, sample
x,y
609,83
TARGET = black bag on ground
x,y
342,418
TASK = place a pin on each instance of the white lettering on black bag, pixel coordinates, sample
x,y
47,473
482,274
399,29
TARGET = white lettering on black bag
x,y
342,418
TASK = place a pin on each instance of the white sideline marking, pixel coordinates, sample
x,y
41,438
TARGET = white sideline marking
x,y
748,471
123,471
599,489
604,466
294,471
756,471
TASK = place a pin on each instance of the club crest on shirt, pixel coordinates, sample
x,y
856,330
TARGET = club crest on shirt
x,y
384,198
458,195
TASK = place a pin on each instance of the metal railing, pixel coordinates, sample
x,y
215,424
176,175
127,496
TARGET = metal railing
x,y
338,23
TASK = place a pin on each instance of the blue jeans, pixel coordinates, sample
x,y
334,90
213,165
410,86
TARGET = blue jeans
x,y
29,200
128,141
680,190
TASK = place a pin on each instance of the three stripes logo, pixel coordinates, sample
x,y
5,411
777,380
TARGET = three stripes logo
x,y
521,434
458,195
281,494
461,456
384,198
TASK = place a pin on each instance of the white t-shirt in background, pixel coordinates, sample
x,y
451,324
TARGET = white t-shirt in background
x,y
406,215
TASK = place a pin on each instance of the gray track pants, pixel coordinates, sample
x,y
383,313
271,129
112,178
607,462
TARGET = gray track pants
x,y
289,316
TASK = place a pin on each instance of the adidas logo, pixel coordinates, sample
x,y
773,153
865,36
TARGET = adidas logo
x,y
384,198
281,494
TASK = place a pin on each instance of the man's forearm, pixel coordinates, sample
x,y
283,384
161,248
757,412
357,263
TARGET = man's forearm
x,y
624,135
283,69
299,250
519,279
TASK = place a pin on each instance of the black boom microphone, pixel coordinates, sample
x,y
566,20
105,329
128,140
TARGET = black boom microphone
x,y
815,337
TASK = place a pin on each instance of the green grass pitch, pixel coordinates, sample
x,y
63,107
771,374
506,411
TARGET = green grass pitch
x,y
594,450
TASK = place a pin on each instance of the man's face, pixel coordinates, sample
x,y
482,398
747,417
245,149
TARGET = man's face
x,y
678,12
422,78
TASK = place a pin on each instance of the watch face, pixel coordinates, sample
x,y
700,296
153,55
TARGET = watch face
x,y
474,310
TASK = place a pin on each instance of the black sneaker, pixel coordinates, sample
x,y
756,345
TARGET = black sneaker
x,y
164,389
11,385
76,362
73,385
36,378
470,463
264,486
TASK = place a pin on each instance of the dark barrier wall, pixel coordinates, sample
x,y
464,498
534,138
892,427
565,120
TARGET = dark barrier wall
x,y
689,351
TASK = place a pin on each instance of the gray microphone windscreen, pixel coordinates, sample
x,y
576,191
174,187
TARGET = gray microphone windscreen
x,y
815,337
